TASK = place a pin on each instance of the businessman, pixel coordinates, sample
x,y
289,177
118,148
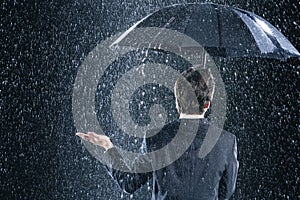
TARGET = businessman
x,y
190,177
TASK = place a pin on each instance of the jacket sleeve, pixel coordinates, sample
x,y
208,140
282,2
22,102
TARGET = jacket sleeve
x,y
228,180
124,173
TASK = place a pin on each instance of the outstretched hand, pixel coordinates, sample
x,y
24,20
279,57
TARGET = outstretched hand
x,y
99,140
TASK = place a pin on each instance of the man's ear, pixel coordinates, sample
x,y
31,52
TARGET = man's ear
x,y
206,106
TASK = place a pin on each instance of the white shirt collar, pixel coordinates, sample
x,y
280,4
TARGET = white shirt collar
x,y
189,116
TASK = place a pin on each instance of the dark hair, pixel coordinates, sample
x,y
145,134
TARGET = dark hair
x,y
193,90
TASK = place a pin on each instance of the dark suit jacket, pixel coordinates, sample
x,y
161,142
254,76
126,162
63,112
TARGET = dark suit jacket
x,y
189,177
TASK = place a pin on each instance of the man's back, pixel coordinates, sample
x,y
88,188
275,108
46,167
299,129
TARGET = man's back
x,y
191,177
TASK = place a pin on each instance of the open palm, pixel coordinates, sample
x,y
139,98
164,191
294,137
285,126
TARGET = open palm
x,y
99,140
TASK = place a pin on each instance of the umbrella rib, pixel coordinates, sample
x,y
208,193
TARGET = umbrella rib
x,y
271,37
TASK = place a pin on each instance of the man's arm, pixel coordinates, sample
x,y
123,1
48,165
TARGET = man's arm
x,y
228,181
126,178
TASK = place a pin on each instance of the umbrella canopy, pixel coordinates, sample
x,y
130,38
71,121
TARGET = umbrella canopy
x,y
222,30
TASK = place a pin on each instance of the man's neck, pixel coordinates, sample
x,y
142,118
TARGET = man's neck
x,y
191,116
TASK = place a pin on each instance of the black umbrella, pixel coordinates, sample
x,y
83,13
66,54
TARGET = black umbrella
x,y
222,30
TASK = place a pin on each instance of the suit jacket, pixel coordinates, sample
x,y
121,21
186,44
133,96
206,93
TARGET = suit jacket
x,y
189,177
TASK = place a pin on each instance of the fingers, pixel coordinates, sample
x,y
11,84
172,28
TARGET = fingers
x,y
100,140
92,134
83,136
80,134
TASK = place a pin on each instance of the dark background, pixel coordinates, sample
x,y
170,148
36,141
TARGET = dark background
x,y
43,43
